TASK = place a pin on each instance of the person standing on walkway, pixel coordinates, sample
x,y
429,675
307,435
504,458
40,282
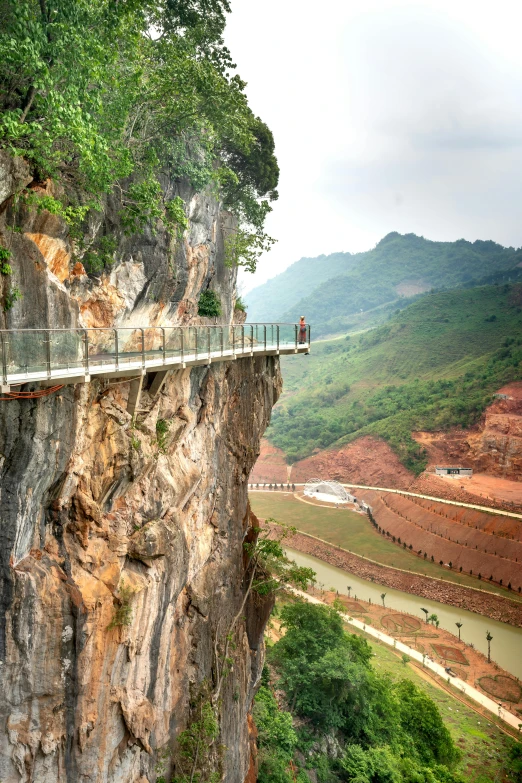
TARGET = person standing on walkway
x,y
302,330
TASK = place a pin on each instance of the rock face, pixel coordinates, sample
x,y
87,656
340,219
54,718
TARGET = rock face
x,y
121,553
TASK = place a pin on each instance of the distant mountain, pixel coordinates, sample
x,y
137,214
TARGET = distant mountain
x,y
268,301
331,290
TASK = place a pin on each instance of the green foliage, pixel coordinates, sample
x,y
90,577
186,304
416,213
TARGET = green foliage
x,y
162,428
13,295
198,758
135,442
421,720
5,256
515,762
269,566
123,611
243,248
97,103
435,365
72,215
142,205
100,255
209,304
277,739
177,221
239,305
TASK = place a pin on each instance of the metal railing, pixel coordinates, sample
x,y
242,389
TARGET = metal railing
x,y
40,354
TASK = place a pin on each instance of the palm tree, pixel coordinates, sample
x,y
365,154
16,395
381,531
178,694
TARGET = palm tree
x,y
433,618
383,596
425,612
459,626
489,638
349,590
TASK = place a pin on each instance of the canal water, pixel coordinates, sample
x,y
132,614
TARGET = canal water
x,y
506,646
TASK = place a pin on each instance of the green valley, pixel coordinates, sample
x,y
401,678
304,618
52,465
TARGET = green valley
x,y
431,366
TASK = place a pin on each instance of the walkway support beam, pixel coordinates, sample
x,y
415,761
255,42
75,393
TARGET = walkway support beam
x,y
136,386
158,381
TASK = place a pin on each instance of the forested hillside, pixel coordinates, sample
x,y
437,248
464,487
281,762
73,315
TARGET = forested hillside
x,y
340,286
433,365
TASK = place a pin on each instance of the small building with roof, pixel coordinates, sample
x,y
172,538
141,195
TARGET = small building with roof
x,y
454,470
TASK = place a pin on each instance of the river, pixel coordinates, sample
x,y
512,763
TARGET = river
x,y
506,646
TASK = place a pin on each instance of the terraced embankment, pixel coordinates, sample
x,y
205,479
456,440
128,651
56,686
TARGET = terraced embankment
x,y
485,545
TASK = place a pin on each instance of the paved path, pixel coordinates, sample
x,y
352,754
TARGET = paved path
x,y
488,509
492,706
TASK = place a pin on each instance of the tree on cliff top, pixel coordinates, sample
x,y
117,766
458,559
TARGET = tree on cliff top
x,y
94,91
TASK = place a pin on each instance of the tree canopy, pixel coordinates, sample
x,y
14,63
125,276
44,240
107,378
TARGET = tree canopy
x,y
95,91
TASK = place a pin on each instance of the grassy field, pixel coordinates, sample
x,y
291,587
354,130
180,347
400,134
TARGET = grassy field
x,y
354,532
484,746
433,365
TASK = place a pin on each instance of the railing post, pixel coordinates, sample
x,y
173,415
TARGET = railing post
x,y
142,347
4,358
309,337
196,342
277,335
264,335
296,328
221,338
243,338
116,347
86,349
182,344
252,340
233,340
208,343
163,343
48,353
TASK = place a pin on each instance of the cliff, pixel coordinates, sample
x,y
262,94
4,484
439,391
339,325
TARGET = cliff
x,y
121,551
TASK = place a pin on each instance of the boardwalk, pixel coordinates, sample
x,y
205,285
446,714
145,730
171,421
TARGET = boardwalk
x,y
75,355
56,357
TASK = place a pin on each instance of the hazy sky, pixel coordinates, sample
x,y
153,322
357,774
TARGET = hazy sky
x,y
387,116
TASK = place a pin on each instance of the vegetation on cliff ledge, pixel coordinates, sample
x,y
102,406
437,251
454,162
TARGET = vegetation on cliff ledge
x,y
103,97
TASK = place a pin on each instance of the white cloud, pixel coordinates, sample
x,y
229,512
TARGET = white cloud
x,y
387,115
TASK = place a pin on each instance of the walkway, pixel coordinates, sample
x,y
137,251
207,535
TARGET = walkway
x,y
69,356
467,690
75,355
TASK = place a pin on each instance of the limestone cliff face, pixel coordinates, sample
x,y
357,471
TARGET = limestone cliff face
x,y
98,518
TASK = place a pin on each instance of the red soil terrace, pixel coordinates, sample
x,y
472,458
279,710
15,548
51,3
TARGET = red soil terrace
x,y
477,542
